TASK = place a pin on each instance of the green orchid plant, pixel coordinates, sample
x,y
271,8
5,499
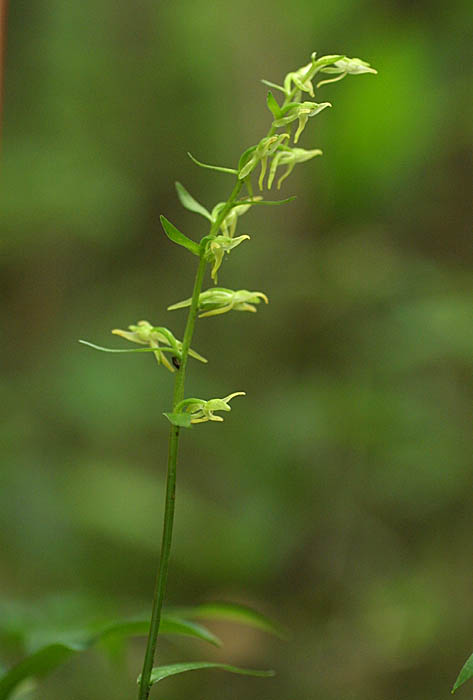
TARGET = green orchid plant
x,y
274,150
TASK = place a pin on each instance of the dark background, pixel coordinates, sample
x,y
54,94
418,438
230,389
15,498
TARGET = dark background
x,y
337,496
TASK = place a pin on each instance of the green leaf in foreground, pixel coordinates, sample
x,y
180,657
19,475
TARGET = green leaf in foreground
x,y
465,674
38,664
176,236
233,612
52,655
161,672
188,202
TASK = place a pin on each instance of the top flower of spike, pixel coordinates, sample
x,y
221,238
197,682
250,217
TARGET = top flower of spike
x,y
301,79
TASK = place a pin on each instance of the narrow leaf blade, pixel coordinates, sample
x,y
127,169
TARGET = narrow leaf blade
x,y
170,624
273,85
176,236
175,625
159,673
188,202
273,106
233,612
465,674
218,168
267,202
99,347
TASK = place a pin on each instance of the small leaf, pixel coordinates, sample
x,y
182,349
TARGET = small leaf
x,y
273,105
232,171
245,156
180,420
233,612
465,674
177,237
160,672
99,347
188,202
273,85
268,202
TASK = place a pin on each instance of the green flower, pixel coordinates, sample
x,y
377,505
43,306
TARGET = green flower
x,y
301,111
203,411
217,248
220,300
302,78
157,337
289,157
265,148
346,66
229,224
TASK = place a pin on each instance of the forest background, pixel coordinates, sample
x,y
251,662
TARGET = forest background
x,y
339,501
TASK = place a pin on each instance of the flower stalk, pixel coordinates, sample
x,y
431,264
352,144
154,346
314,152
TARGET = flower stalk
x,y
271,152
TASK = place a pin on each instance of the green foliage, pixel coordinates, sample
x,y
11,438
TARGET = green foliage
x,y
161,672
233,612
177,237
188,202
49,656
465,674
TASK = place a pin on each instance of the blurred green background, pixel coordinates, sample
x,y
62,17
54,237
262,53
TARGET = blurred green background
x,y
337,496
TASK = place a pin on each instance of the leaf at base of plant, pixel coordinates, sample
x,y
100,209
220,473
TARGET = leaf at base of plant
x,y
159,673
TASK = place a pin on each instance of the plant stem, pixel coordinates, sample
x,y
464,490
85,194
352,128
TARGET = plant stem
x,y
162,576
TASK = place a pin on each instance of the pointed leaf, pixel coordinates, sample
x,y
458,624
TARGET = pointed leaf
x,y
188,202
268,202
245,156
273,105
160,672
233,612
170,624
273,85
99,347
465,674
176,236
50,656
219,169
180,420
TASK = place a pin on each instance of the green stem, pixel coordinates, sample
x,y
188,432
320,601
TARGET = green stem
x,y
161,579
